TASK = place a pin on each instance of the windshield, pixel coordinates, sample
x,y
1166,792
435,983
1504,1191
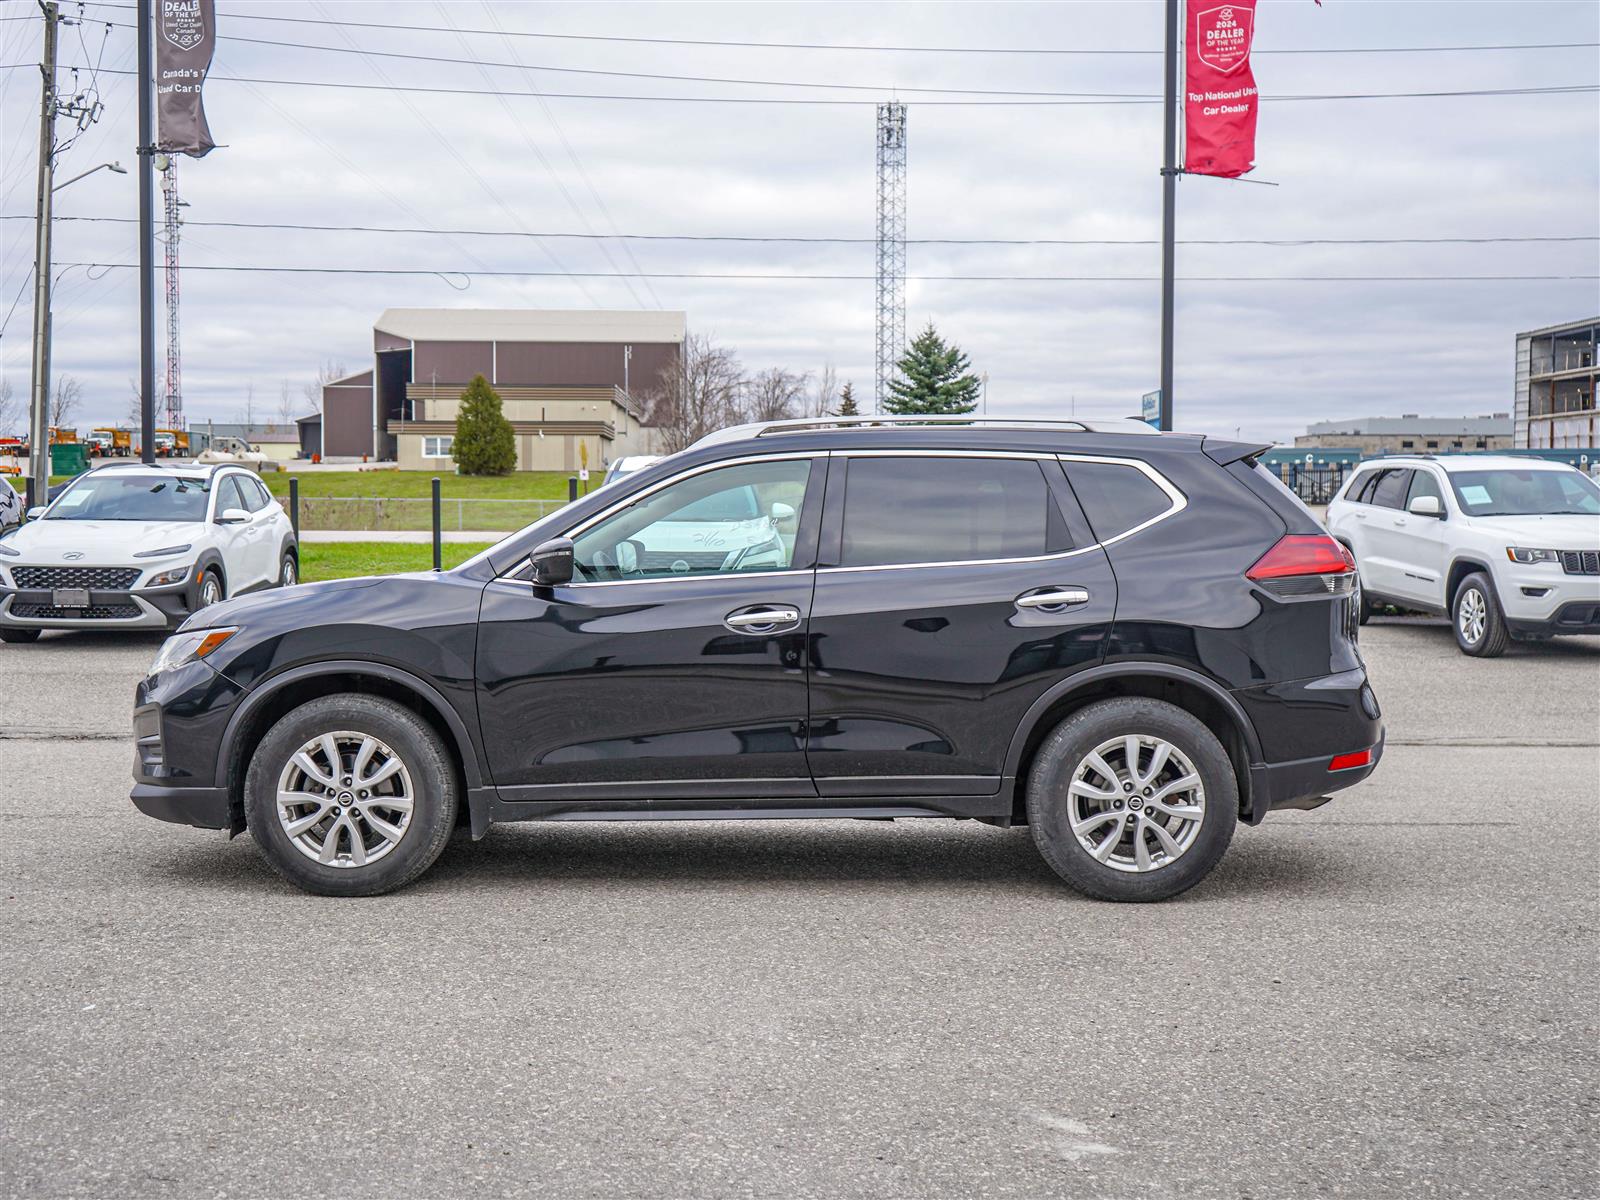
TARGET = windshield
x,y
112,497
1508,492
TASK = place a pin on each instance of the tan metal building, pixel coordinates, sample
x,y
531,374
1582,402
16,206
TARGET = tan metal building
x,y
1410,434
567,379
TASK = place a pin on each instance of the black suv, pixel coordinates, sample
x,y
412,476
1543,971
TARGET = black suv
x,y
1127,641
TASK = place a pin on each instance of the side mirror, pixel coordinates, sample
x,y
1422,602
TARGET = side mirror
x,y
35,513
781,512
232,516
1425,506
552,562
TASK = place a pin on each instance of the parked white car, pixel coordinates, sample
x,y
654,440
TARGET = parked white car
x,y
627,465
132,546
1508,547
10,505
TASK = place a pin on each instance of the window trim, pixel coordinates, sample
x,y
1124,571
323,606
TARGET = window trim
x,y
436,438
1180,501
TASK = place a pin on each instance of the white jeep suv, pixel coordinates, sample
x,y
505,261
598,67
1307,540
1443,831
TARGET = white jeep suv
x,y
1507,547
132,546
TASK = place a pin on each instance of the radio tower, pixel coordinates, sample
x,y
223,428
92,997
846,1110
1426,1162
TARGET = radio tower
x,y
169,190
891,246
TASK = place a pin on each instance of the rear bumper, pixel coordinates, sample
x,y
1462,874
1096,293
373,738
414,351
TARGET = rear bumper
x,y
1303,783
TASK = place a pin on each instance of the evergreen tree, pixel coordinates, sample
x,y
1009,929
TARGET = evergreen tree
x,y
484,443
933,379
847,403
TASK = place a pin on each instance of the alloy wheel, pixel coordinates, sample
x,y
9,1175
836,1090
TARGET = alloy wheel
x,y
286,576
1136,803
345,799
1472,616
210,591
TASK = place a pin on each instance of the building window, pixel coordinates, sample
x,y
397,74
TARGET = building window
x,y
1433,445
437,447
1482,445
1408,445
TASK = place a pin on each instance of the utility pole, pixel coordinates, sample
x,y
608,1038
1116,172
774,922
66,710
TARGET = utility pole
x,y
39,425
1169,206
147,275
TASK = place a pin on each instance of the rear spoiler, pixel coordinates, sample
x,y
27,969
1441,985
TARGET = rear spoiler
x,y
1226,453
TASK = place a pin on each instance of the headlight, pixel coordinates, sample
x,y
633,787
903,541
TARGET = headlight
x,y
169,577
182,648
1521,554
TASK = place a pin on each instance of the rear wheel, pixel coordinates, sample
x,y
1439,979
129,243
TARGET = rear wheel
x,y
351,795
19,636
1364,609
1132,800
1480,628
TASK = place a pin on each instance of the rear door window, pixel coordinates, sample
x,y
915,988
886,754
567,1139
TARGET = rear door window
x,y
932,509
1360,486
1115,497
1391,489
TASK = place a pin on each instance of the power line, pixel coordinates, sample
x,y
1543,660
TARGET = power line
x,y
752,45
846,241
1557,90
441,272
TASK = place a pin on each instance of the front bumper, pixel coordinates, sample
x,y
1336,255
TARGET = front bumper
x,y
203,807
144,608
1577,616
179,719
1542,598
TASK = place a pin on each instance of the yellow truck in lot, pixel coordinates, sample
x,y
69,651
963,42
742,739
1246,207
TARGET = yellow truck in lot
x,y
111,443
172,443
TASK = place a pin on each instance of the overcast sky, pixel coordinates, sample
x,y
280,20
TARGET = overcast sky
x,y
1263,357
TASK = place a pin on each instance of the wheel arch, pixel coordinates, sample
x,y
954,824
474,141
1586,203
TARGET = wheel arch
x,y
287,691
1202,698
1460,567
210,560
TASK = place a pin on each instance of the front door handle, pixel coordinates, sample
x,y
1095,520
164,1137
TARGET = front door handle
x,y
762,619
1053,599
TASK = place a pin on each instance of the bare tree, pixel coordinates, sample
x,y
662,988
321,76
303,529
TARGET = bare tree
x,y
10,406
775,395
699,394
135,407
248,409
64,403
326,374
286,405
822,401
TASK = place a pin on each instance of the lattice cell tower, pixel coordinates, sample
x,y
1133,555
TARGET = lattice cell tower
x,y
174,397
891,246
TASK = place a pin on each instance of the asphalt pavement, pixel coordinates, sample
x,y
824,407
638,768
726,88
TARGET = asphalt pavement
x,y
1394,995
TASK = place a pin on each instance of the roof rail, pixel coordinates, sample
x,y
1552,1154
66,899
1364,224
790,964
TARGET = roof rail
x,y
736,433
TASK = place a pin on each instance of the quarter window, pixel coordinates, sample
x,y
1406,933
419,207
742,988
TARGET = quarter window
x,y
733,519
438,447
931,509
1115,498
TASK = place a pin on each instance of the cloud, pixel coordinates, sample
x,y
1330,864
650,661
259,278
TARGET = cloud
x,y
1264,357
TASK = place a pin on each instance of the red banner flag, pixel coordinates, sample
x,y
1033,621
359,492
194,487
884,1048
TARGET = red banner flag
x,y
1219,90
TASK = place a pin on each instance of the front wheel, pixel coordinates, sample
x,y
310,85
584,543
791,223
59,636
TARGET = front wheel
x,y
1479,626
351,795
288,570
209,591
1132,800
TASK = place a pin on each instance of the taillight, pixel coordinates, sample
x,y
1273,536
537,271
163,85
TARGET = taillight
x,y
1302,554
1305,565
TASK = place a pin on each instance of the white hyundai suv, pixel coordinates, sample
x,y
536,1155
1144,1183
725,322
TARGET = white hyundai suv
x,y
135,546
1508,547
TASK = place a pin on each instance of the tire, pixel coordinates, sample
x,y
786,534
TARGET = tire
x,y
20,637
208,589
1201,834
1475,616
387,860
1364,608
288,569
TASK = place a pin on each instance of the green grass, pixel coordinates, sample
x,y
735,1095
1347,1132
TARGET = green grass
x,y
415,485
342,560
19,483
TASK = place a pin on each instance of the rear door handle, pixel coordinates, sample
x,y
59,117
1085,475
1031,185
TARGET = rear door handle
x,y
1053,599
763,618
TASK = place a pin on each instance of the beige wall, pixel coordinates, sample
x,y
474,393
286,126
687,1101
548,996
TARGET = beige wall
x,y
1396,443
553,452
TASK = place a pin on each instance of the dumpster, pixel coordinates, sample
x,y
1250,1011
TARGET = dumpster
x,y
69,458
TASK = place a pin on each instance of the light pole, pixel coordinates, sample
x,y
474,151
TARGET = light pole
x,y
39,422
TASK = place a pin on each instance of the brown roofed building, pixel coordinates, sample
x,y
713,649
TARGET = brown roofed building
x,y
567,379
